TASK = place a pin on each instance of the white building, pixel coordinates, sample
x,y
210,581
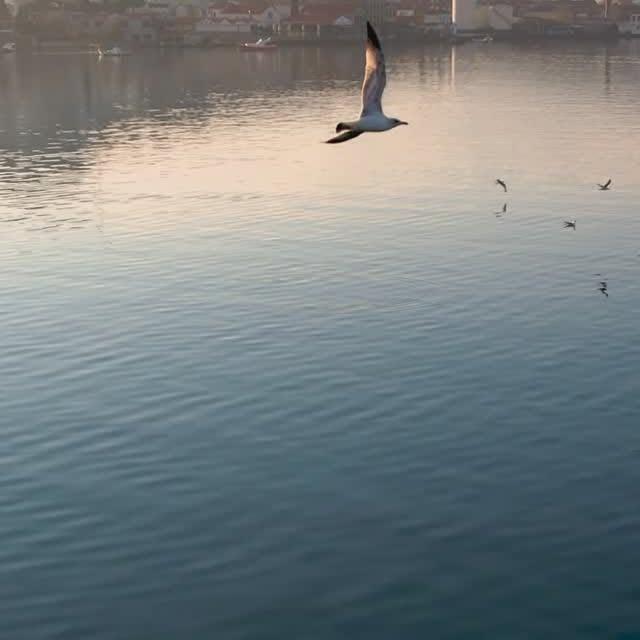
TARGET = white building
x,y
630,26
463,15
470,16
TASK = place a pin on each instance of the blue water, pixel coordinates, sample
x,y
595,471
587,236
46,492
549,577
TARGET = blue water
x,y
254,386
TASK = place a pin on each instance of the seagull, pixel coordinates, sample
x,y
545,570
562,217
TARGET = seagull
x,y
604,291
570,224
371,117
605,186
502,183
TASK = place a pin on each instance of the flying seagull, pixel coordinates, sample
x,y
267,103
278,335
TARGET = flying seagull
x,y
371,117
604,291
570,224
502,183
605,186
500,213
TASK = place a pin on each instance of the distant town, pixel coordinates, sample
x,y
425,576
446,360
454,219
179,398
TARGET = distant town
x,y
136,24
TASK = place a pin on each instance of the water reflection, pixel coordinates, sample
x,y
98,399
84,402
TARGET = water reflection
x,y
64,117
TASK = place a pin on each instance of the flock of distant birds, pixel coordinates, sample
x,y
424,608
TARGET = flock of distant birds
x,y
373,120
568,224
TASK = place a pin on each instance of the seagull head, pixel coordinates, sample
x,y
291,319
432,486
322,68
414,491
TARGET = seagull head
x,y
396,123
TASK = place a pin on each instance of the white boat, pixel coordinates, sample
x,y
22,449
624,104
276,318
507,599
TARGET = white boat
x,y
261,45
486,39
114,52
8,47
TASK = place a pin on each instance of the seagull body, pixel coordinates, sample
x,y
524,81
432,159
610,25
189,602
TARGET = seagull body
x,y
570,224
502,183
605,186
372,118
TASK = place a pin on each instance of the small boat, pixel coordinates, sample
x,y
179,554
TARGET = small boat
x,y
114,52
8,47
484,40
263,44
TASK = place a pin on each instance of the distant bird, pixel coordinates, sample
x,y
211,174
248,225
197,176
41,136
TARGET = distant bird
x,y
570,224
372,118
605,186
502,183
604,291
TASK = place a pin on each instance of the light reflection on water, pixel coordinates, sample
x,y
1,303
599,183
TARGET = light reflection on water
x,y
256,386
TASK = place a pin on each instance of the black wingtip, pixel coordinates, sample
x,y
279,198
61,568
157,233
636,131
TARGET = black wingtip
x,y
372,36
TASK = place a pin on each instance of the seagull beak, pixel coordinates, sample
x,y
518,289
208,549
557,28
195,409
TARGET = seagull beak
x,y
402,122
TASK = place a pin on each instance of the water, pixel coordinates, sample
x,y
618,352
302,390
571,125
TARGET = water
x,y
254,386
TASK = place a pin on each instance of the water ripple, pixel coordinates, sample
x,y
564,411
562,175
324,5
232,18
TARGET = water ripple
x,y
257,387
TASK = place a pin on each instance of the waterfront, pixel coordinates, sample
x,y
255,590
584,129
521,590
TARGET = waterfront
x,y
255,386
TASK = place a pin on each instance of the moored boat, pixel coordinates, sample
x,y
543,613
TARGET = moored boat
x,y
115,52
263,44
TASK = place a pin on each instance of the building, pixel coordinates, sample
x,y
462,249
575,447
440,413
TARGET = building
x,y
463,15
564,18
630,26
336,21
180,8
56,25
378,11
234,21
14,6
141,29
424,17
7,33
221,29
5,14
627,17
257,13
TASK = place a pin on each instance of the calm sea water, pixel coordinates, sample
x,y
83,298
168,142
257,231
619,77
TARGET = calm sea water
x,y
258,387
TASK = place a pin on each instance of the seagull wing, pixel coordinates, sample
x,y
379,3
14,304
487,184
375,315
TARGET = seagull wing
x,y
607,183
375,75
344,136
